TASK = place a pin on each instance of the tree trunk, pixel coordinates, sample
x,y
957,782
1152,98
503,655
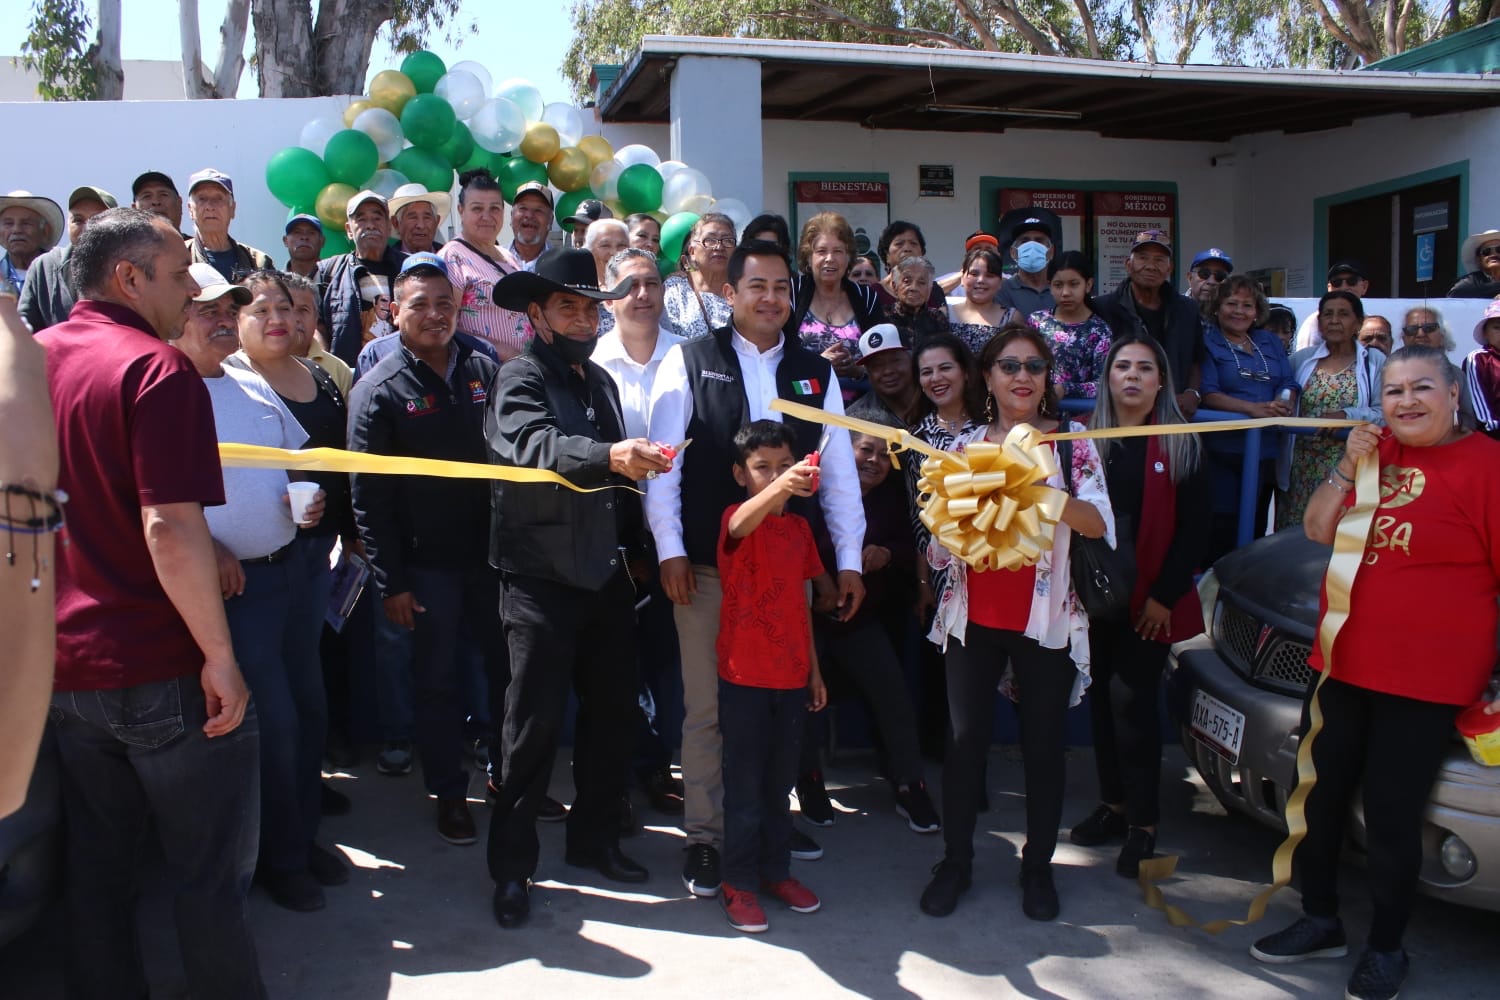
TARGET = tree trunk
x,y
231,64
284,55
110,74
193,86
1144,27
343,37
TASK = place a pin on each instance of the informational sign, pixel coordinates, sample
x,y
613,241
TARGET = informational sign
x,y
1068,206
865,202
1429,219
934,181
1426,251
1119,216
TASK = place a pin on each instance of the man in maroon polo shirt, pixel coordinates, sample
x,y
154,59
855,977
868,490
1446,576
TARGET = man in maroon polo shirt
x,y
151,716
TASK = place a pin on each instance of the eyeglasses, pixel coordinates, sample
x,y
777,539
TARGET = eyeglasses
x,y
1493,250
1010,366
1345,281
711,243
1412,328
1211,274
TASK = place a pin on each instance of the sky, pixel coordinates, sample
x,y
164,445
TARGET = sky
x,y
524,38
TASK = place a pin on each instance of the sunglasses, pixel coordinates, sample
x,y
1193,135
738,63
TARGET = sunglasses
x,y
1345,281
1419,328
1210,274
1493,250
1010,366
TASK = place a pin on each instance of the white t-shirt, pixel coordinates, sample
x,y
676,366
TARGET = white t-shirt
x,y
255,520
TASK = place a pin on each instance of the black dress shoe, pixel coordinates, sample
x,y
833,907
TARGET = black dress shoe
x,y
611,862
1038,894
512,903
297,891
326,866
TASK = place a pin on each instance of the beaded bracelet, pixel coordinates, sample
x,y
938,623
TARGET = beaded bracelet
x,y
1330,481
1335,471
35,523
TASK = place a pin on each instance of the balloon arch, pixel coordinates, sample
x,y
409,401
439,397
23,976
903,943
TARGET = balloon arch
x,y
425,122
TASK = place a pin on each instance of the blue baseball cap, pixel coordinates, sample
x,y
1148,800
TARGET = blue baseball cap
x,y
311,220
1213,253
417,261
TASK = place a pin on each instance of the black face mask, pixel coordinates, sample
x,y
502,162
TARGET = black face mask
x,y
574,352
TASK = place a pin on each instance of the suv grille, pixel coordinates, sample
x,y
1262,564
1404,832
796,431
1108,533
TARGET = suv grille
x,y
1279,664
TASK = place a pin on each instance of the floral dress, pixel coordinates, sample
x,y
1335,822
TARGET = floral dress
x,y
936,433
1313,455
1080,350
685,308
976,335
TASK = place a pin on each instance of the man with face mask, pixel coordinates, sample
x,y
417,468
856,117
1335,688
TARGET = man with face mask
x,y
568,594
1031,248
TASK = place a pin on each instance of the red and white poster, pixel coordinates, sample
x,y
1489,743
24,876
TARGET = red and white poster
x,y
1068,206
1118,217
865,203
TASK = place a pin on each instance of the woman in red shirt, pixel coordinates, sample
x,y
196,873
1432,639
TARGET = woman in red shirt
x,y
1391,696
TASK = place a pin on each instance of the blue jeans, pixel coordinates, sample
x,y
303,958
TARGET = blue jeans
x,y
278,653
393,697
137,755
762,731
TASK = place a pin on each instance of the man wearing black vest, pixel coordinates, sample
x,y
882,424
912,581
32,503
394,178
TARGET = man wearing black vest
x,y
705,391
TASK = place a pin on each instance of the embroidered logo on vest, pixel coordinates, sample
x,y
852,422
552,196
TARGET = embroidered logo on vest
x,y
716,376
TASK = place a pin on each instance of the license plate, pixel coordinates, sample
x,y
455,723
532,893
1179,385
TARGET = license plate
x,y
1217,726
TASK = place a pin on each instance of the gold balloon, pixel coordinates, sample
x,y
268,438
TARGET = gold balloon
x,y
391,90
569,170
597,149
353,110
660,216
332,203
541,143
618,209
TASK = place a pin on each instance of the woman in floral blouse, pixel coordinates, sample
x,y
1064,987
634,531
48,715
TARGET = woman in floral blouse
x,y
1078,336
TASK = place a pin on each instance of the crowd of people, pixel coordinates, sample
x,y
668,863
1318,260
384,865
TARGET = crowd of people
x,y
773,566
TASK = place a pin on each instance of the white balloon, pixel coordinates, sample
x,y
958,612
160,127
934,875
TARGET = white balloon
x,y
316,133
385,182
698,204
463,91
685,186
567,120
669,167
526,97
498,126
737,211
630,155
477,69
604,180
383,127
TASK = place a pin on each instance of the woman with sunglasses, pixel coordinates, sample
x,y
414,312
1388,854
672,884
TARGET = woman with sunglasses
x,y
1022,630
1481,254
1245,371
1340,380
693,299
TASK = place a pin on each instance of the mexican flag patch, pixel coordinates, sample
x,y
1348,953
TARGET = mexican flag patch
x,y
807,387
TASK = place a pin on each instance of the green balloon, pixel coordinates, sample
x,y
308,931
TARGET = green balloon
x,y
568,203
640,188
425,69
460,145
335,242
428,121
518,170
351,157
478,157
674,232
424,167
296,175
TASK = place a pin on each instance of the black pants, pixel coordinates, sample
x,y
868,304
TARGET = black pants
x,y
560,636
1390,748
1044,678
762,729
1123,703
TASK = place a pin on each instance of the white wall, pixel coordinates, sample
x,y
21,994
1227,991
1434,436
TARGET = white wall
x,y
1277,177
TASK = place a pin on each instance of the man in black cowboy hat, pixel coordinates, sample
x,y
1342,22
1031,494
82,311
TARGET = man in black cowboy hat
x,y
568,598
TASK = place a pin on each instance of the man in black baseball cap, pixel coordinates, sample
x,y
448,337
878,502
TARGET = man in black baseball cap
x,y
1031,248
156,192
589,212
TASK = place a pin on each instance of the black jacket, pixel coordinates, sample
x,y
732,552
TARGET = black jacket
x,y
863,298
1474,285
403,407
538,418
1183,336
338,300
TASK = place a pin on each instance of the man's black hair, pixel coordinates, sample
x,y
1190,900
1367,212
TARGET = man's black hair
x,y
755,248
759,434
110,237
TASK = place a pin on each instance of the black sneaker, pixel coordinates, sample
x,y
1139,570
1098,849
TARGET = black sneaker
x,y
1309,937
1139,845
1038,894
700,870
914,806
812,799
949,881
1378,975
804,848
395,758
1102,826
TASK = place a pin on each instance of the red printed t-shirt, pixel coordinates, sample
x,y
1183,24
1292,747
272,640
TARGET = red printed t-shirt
x,y
135,428
1422,612
1001,598
764,634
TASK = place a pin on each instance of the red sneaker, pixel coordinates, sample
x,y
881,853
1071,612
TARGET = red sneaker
x,y
743,910
794,894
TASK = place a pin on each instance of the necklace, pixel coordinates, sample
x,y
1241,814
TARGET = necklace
x,y
1264,375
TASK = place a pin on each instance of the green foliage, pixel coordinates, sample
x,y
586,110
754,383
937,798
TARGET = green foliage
x,y
56,48
415,21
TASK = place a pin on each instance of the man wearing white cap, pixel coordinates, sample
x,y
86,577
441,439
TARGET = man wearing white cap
x,y
30,225
372,263
211,205
417,216
48,296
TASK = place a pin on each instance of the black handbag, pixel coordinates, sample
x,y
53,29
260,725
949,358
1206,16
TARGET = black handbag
x,y
1103,577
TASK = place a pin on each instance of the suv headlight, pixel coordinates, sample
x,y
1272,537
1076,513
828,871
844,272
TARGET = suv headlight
x,y
1208,596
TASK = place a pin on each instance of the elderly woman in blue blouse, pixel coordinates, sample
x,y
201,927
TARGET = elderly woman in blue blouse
x,y
1245,371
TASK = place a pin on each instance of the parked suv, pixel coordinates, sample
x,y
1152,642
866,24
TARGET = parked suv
x,y
1236,695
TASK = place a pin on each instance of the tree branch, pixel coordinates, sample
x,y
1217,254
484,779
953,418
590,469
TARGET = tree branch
x,y
106,57
1335,29
1137,8
193,84
816,12
231,65
1090,33
981,27
1039,41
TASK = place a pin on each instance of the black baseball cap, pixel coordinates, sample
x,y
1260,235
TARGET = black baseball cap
x,y
151,177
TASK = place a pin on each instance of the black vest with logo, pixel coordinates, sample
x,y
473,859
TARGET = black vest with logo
x,y
720,409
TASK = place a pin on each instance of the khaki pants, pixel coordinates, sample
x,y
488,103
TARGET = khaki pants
x,y
702,745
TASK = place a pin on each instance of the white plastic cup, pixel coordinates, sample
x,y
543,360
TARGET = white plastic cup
x,y
302,494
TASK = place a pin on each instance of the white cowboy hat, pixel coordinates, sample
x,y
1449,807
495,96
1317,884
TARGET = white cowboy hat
x,y
48,209
1469,253
410,194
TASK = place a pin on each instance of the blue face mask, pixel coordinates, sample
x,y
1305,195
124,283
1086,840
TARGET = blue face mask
x,y
1032,256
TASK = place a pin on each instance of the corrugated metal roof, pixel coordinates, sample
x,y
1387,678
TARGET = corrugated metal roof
x,y
1476,50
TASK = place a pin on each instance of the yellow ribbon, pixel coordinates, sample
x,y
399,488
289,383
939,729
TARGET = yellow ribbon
x,y
256,456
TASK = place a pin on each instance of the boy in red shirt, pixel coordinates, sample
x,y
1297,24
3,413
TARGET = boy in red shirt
x,y
768,669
